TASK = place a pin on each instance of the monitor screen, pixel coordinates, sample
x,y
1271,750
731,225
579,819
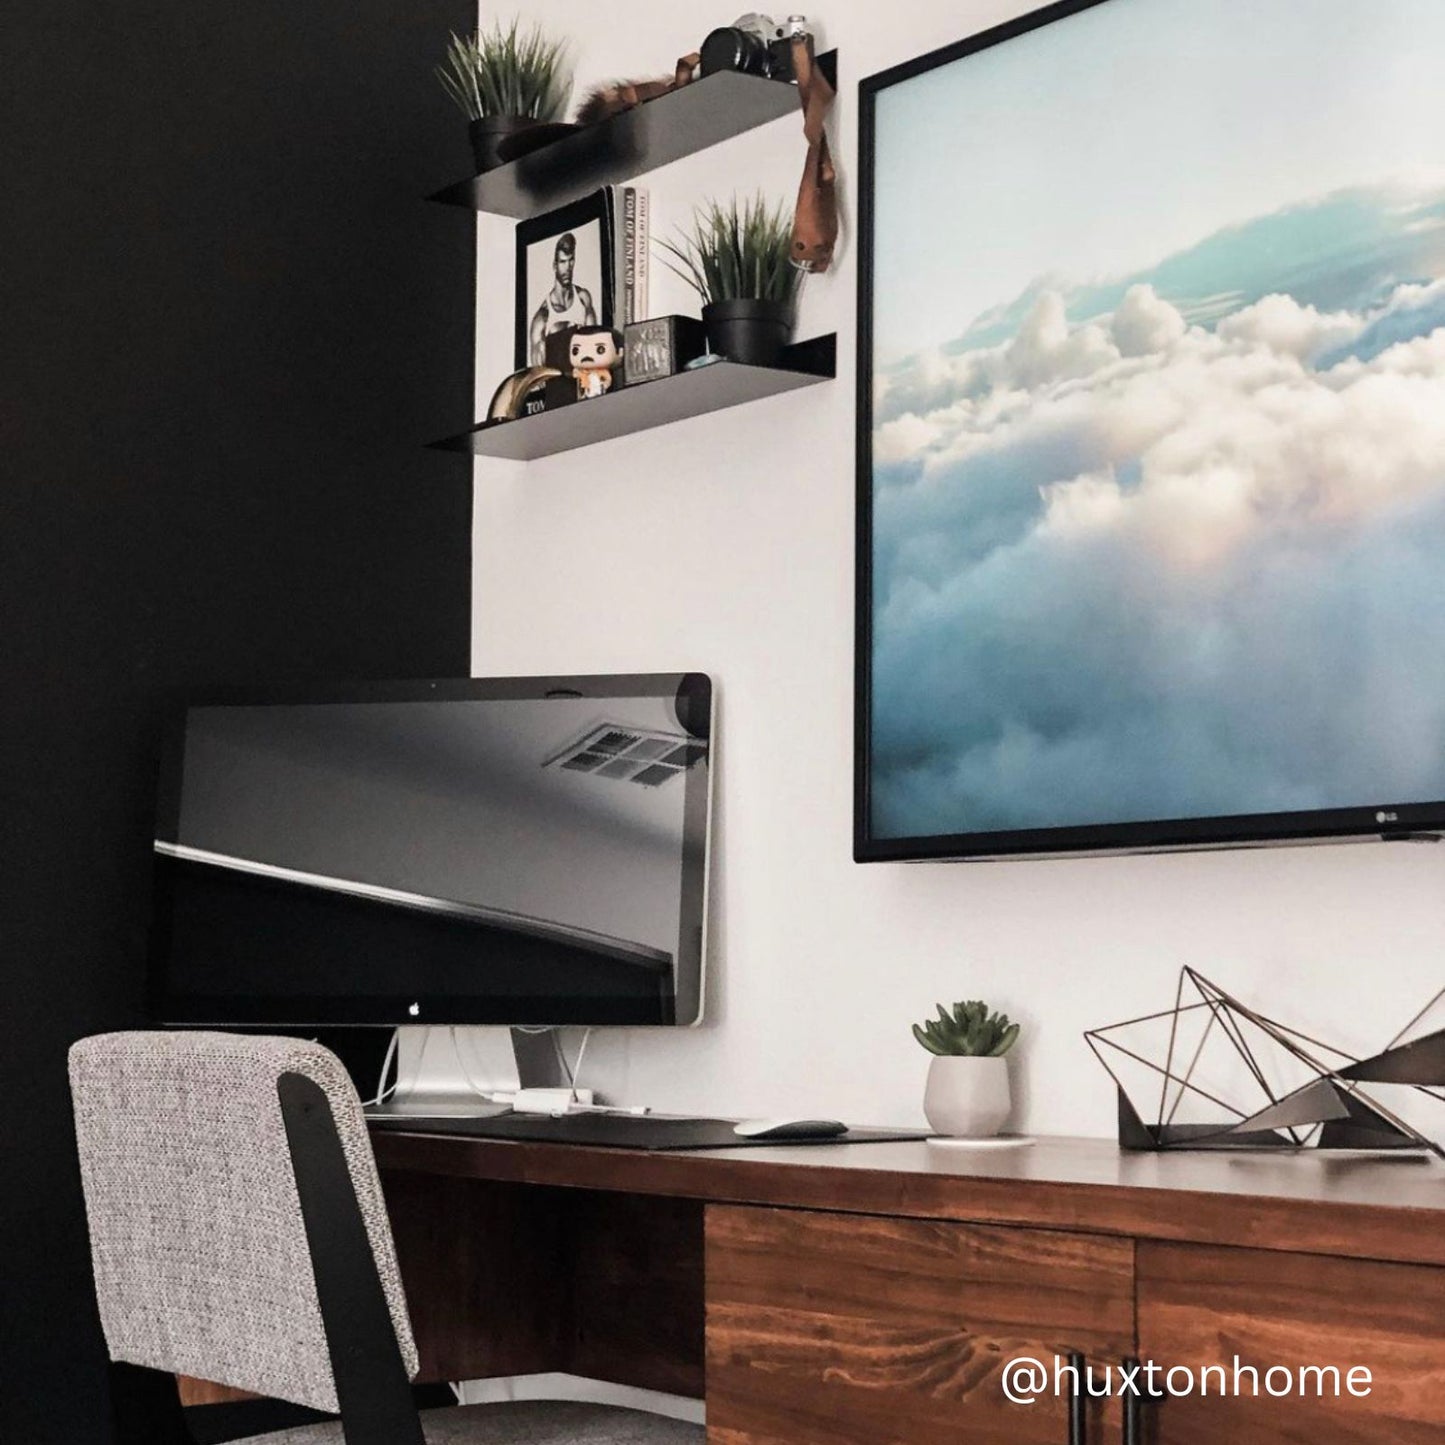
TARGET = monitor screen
x,y
503,850
1151,492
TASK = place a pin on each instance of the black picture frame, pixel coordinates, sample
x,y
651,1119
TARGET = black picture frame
x,y
590,222
1386,819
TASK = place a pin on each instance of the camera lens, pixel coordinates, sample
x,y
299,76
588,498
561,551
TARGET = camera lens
x,y
730,48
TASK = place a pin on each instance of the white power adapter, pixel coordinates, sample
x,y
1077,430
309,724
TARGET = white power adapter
x,y
550,1101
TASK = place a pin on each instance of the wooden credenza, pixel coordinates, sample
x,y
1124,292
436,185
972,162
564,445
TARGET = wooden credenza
x,y
873,1294
825,1327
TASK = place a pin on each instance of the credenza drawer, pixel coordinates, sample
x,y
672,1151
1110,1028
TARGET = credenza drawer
x,y
840,1329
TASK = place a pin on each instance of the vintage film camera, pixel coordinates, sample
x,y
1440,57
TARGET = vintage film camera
x,y
754,44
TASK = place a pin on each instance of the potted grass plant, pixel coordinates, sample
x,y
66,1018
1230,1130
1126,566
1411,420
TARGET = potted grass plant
x,y
736,257
505,80
967,1095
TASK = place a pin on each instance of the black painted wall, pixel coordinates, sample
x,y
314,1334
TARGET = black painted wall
x,y
228,321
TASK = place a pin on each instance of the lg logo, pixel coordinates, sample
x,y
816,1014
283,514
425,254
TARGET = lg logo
x,y
414,1010
1383,817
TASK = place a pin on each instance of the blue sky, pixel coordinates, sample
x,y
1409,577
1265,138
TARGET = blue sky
x,y
1101,144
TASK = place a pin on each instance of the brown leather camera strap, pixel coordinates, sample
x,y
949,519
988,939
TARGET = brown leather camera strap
x,y
619,95
815,217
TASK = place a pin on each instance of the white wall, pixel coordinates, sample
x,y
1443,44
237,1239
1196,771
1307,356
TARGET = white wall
x,y
726,544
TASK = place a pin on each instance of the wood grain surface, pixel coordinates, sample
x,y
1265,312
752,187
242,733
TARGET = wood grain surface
x,y
504,1279
1201,1306
205,1392
482,1266
835,1329
635,1266
1392,1209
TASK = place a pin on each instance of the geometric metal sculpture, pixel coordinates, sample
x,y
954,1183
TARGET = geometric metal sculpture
x,y
1298,1092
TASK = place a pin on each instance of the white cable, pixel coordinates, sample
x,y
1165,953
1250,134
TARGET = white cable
x,y
575,1072
382,1092
637,1109
480,1090
470,1082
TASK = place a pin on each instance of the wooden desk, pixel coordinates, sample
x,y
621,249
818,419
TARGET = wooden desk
x,y
867,1294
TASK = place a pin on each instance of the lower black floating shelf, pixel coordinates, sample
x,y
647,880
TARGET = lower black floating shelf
x,y
649,404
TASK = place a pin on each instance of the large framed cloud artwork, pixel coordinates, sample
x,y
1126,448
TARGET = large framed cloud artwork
x,y
1151,451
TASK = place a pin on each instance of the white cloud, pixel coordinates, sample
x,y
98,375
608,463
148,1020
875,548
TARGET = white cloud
x,y
904,437
1144,323
1280,324
1045,350
1137,569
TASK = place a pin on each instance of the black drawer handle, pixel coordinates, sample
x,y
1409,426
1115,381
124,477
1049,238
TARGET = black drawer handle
x,y
1133,1406
1078,1400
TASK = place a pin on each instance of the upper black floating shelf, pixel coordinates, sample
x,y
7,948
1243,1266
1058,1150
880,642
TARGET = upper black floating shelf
x,y
649,404
649,135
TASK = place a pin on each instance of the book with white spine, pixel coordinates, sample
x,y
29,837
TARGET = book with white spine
x,y
630,212
642,253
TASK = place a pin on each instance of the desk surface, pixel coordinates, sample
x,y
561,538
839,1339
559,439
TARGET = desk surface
x,y
1369,1208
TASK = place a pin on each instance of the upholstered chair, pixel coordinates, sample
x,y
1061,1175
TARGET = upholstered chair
x,y
239,1235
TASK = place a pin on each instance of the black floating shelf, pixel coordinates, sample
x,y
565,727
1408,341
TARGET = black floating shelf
x,y
649,135
649,404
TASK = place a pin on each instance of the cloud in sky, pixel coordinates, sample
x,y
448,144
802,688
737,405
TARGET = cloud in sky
x,y
1119,134
1134,568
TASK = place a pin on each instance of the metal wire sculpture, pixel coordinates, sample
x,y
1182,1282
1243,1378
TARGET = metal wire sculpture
x,y
1327,1111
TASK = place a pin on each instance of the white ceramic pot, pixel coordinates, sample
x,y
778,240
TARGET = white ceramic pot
x,y
967,1097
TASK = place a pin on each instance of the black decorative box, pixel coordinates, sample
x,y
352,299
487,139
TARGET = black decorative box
x,y
661,346
557,346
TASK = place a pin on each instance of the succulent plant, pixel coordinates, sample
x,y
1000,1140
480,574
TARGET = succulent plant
x,y
969,1031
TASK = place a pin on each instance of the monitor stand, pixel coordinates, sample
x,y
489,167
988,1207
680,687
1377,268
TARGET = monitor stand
x,y
539,1066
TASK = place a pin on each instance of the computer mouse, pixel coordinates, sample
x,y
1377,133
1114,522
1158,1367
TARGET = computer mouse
x,y
777,1131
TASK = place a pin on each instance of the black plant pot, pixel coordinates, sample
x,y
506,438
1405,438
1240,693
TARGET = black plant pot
x,y
490,132
754,332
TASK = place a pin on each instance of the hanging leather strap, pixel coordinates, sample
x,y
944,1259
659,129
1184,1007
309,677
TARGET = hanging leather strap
x,y
815,217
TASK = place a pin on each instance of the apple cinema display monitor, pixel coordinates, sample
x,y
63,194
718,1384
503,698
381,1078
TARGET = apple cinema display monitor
x,y
521,851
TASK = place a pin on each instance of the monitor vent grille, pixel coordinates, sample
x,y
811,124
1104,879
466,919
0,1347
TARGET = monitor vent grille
x,y
624,754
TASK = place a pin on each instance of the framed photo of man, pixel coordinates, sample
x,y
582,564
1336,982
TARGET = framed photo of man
x,y
564,274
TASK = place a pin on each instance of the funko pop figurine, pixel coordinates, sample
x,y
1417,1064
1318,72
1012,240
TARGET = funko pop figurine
x,y
595,353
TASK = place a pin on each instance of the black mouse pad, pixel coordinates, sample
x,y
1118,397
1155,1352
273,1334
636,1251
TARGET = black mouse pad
x,y
625,1131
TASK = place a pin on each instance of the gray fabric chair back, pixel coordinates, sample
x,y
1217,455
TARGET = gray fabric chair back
x,y
201,1259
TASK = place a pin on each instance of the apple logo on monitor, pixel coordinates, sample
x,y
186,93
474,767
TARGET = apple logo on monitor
x,y
414,1010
